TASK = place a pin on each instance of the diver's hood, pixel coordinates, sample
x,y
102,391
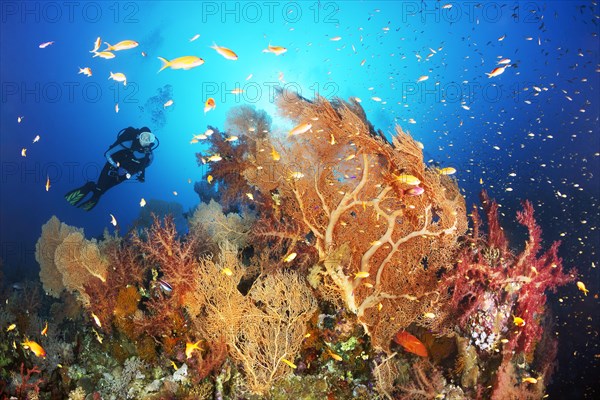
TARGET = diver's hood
x,y
147,138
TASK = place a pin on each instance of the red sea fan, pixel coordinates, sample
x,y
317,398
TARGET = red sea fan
x,y
520,281
542,273
173,257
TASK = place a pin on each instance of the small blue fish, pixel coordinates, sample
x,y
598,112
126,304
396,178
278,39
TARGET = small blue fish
x,y
165,287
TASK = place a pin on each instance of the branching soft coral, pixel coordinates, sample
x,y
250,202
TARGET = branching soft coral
x,y
126,269
379,248
520,281
173,257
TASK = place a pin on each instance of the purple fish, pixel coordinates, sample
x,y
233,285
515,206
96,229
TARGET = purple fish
x,y
415,191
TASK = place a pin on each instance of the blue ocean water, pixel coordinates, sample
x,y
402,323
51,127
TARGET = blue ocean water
x,y
528,133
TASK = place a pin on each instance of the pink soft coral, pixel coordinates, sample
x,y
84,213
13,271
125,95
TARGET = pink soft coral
x,y
486,265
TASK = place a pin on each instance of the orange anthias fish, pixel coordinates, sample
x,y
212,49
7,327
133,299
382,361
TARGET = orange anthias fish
x,y
411,343
225,52
209,105
300,129
496,71
97,44
277,50
34,347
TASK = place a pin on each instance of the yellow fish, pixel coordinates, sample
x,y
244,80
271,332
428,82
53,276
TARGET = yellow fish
x,y
226,271
215,158
47,183
518,321
530,379
142,202
96,319
209,179
113,221
45,330
34,347
447,171
581,286
422,78
225,52
124,45
274,154
408,179
185,62
336,357
289,363
361,274
24,152
300,129
11,327
118,77
104,54
190,347
98,337
290,257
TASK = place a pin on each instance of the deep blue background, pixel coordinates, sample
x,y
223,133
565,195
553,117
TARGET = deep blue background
x,y
547,146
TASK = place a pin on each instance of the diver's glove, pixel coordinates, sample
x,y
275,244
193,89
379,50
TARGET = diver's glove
x,y
122,171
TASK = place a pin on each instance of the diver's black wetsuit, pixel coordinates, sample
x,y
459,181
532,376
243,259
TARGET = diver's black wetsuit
x,y
125,160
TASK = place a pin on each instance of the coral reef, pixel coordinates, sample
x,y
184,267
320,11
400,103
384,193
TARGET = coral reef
x,y
320,272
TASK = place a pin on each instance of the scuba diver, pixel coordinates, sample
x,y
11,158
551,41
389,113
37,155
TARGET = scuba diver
x,y
127,157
